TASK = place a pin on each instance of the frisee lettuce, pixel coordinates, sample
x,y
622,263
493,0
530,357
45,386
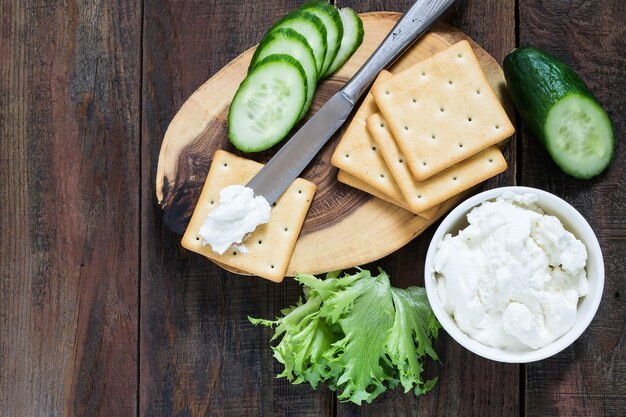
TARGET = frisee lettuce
x,y
357,334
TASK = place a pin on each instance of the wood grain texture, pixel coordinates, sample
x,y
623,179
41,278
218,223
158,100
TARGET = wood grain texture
x,y
468,385
199,354
588,378
69,267
69,163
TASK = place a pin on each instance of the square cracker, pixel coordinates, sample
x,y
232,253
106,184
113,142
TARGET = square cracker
x,y
354,182
422,195
442,110
356,153
270,246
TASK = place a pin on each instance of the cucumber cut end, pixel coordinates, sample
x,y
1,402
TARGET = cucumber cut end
x,y
579,136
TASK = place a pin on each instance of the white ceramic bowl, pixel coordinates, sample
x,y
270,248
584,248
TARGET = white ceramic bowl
x,y
587,306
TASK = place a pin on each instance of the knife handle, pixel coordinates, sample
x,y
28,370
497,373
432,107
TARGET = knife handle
x,y
409,28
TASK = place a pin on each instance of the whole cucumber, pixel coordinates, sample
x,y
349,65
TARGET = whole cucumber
x,y
559,109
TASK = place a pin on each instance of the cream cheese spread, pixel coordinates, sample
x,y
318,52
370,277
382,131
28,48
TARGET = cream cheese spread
x,y
237,215
513,277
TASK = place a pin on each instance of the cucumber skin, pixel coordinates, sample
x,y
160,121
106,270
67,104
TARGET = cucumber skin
x,y
335,66
537,81
273,35
315,21
334,15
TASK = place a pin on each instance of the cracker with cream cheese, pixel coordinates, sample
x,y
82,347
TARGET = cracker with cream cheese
x,y
270,246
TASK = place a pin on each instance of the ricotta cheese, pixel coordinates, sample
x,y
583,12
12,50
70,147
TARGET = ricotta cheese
x,y
237,215
513,277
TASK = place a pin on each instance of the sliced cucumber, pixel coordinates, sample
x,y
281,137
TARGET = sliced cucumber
x,y
560,110
313,30
267,104
579,136
334,28
351,40
288,41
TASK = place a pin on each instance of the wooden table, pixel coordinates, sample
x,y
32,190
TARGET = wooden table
x,y
101,311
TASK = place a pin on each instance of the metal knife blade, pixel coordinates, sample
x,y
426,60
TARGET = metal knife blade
x,y
284,167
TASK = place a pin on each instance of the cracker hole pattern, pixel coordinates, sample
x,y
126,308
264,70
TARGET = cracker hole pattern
x,y
406,128
424,163
374,148
469,119
454,178
382,175
460,145
347,155
414,100
401,160
260,241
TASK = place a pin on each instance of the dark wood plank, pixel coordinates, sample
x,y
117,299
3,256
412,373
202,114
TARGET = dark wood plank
x,y
468,385
199,353
69,160
588,378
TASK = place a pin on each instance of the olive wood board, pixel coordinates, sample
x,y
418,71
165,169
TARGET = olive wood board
x,y
345,227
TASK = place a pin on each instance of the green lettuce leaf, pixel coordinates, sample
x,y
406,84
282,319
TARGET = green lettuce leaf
x,y
364,310
410,337
356,334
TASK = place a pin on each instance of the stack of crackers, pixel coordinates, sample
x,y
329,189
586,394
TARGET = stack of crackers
x,y
420,137
271,245
426,134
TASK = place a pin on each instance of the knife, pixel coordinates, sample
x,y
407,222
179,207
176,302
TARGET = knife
x,y
282,170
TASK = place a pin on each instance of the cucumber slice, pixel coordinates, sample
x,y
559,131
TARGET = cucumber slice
x,y
579,136
267,104
334,28
288,41
313,30
352,38
559,109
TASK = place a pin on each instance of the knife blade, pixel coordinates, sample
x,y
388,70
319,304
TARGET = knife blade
x,y
284,167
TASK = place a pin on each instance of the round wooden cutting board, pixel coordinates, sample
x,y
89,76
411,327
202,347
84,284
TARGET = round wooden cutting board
x,y
344,227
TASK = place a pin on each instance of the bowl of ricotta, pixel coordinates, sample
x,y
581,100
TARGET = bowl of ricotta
x,y
514,274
